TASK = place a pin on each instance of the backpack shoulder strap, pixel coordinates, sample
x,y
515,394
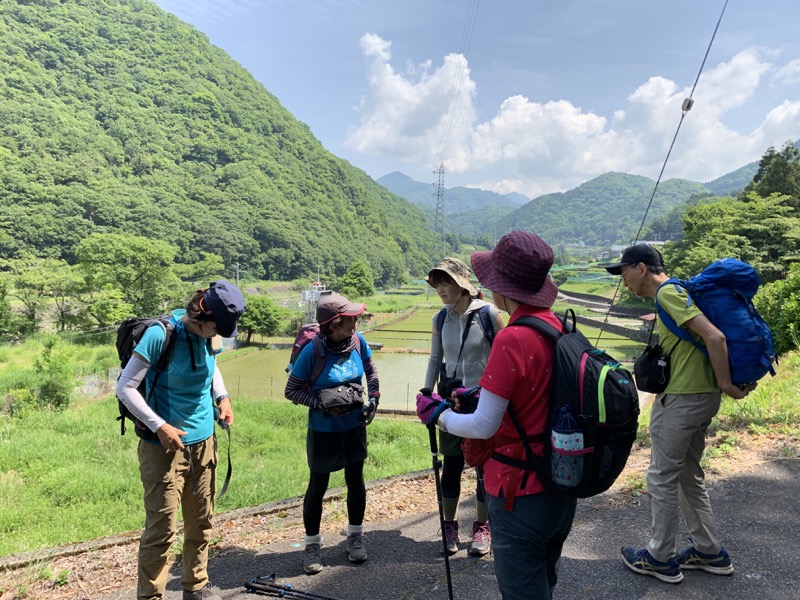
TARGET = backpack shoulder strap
x,y
318,361
567,324
440,317
485,320
669,322
539,325
168,349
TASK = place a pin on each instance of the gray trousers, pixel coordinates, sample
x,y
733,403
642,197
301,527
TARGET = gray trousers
x,y
527,543
678,426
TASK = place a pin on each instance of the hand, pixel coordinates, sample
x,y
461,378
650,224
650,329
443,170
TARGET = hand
x,y
369,410
430,406
738,392
226,410
466,399
170,437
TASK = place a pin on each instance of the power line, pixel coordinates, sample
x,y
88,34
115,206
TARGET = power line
x,y
455,92
686,106
466,41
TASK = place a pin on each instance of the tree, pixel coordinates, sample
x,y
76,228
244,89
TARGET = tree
x,y
141,268
760,231
779,304
7,328
35,280
778,173
55,376
262,317
357,281
105,307
207,269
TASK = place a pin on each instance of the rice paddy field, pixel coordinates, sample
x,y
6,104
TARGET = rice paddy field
x,y
401,363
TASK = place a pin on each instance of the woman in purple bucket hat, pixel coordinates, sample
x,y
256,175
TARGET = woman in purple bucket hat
x,y
529,524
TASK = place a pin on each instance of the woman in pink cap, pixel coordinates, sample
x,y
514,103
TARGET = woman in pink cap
x,y
326,377
529,524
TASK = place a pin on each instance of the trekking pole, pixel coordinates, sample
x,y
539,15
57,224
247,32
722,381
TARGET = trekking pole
x,y
266,584
436,465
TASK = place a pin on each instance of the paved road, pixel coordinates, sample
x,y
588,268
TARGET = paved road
x,y
757,514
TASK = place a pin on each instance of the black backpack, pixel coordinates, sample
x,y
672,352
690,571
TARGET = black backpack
x,y
593,416
128,336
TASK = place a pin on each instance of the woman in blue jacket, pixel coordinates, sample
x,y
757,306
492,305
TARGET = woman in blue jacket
x,y
337,419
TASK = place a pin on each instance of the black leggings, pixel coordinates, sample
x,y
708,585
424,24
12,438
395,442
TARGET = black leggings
x,y
318,485
452,467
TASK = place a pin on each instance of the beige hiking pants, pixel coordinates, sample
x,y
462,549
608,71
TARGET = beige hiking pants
x,y
184,479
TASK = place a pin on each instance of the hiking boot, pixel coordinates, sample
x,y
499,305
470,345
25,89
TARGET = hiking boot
x,y
356,552
641,561
312,561
451,536
481,539
718,564
204,593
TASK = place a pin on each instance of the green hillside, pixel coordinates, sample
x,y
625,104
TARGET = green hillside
x,y
605,210
117,117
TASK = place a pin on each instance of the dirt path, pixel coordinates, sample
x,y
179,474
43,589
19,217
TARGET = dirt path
x,y
101,567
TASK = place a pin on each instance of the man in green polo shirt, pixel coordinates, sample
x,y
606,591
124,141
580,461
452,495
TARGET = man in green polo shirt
x,y
679,419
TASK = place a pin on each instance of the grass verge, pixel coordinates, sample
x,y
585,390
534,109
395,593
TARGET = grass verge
x,y
69,476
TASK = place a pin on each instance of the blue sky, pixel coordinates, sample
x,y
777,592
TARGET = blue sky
x,y
522,95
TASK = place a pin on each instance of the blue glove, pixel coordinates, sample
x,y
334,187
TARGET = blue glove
x,y
429,407
369,410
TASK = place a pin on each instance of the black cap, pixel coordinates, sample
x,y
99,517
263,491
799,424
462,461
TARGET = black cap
x,y
633,255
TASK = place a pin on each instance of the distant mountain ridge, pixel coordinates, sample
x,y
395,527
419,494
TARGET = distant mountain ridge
x,y
601,211
457,199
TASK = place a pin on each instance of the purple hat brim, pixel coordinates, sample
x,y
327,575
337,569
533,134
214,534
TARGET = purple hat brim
x,y
492,279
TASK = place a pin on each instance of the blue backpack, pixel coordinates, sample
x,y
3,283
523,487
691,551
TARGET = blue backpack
x,y
724,292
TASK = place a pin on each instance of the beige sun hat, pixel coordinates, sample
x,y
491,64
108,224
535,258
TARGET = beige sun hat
x,y
457,270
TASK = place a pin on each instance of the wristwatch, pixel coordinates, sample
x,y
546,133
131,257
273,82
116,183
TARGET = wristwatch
x,y
218,400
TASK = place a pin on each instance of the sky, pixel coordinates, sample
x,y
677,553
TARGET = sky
x,y
524,96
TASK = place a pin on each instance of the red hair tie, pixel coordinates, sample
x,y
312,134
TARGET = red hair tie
x,y
202,306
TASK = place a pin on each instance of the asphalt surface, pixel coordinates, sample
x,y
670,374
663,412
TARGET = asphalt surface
x,y
757,513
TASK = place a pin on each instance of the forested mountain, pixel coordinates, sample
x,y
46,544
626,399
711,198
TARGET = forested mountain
x,y
457,199
116,117
733,182
605,210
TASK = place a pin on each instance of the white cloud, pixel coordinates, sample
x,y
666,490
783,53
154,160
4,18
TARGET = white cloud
x,y
788,74
536,148
404,116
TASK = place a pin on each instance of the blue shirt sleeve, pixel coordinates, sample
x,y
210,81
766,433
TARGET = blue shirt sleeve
x,y
152,343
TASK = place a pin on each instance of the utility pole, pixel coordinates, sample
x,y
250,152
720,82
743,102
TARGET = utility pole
x,y
437,251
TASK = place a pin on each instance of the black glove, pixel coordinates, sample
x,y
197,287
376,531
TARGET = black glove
x,y
369,410
466,399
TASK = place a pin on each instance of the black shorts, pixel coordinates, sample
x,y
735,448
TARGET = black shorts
x,y
449,444
330,451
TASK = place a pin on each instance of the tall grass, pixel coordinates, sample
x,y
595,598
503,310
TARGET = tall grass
x,y
69,476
